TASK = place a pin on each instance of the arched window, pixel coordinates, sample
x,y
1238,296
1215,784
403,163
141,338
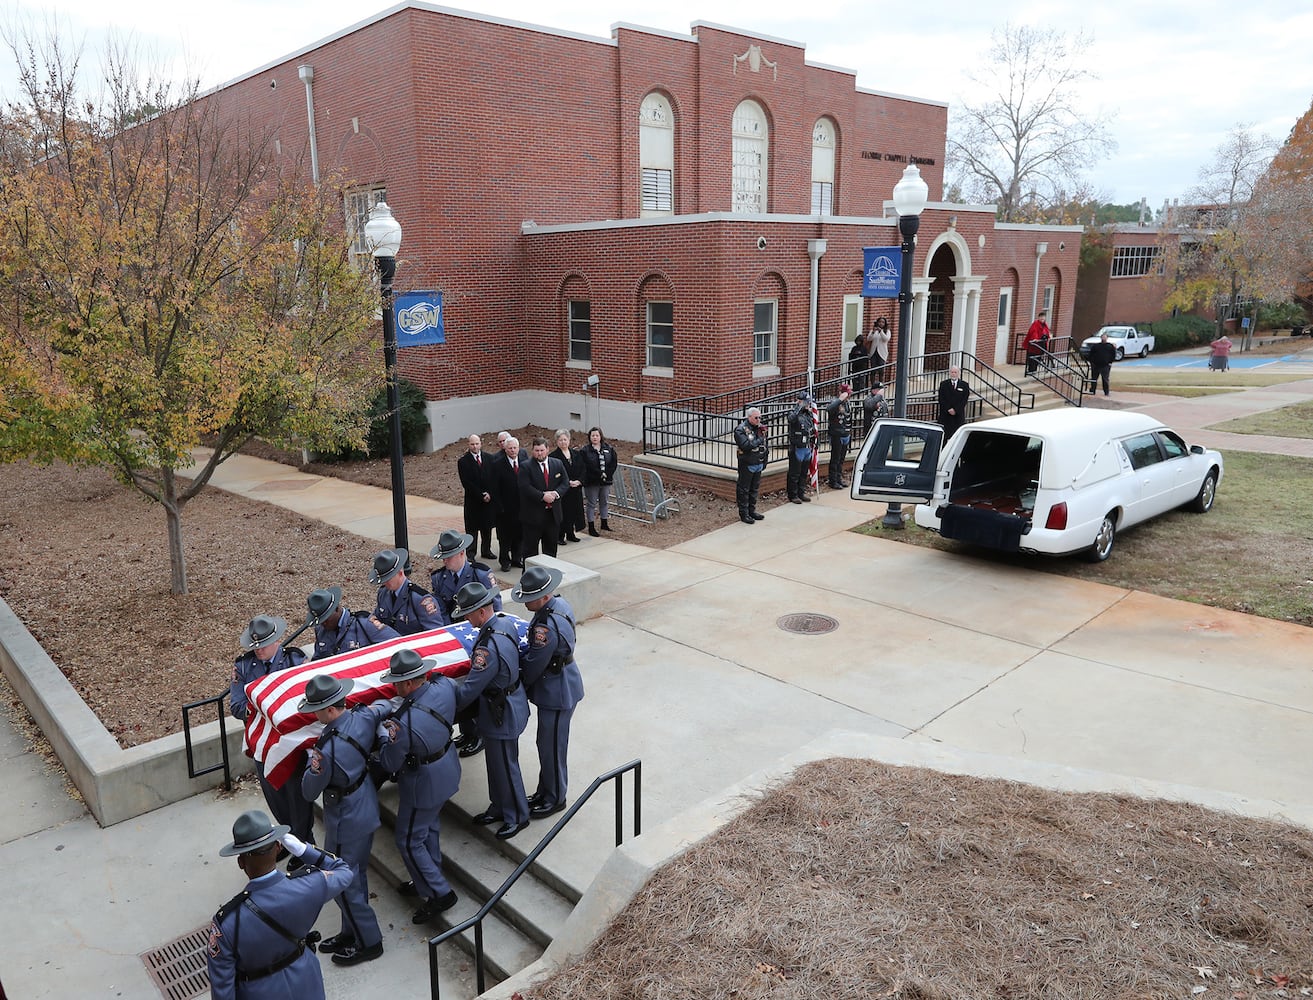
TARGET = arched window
x,y
751,151
823,167
656,156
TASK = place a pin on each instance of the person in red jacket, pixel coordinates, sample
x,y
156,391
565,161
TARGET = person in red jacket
x,y
1037,342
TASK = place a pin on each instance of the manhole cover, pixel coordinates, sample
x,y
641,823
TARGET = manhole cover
x,y
178,968
807,623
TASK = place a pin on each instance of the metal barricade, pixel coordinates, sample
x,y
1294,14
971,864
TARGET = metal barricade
x,y
639,495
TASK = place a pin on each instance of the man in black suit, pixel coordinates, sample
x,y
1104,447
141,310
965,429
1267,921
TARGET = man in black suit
x,y
953,395
475,473
542,484
506,472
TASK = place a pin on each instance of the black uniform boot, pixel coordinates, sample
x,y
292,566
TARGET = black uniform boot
x,y
605,525
592,529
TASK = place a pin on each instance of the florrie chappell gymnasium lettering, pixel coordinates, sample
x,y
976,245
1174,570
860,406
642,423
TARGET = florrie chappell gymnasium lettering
x,y
675,213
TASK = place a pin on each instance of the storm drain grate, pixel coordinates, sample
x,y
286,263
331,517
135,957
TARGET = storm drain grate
x,y
178,968
807,623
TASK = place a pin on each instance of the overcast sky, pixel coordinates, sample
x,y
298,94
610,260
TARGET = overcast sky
x,y
1175,75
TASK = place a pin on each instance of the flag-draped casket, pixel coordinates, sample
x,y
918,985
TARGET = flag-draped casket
x,y
277,734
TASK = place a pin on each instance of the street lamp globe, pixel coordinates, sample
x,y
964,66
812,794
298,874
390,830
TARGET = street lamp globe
x,y
911,193
383,231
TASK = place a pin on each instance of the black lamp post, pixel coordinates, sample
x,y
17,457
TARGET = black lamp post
x,y
383,233
910,195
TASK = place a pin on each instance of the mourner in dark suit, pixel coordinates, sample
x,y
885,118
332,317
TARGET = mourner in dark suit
x,y
573,460
475,471
506,472
953,396
544,484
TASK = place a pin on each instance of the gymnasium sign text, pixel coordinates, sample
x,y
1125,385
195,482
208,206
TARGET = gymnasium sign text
x,y
871,154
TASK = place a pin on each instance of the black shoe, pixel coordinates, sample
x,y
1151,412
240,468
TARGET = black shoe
x,y
795,500
804,499
518,564
505,567
572,537
336,943
485,818
506,832
746,520
354,955
489,555
432,907
542,809
833,486
606,526
757,517
592,530
470,749
561,540
535,799
843,484
408,890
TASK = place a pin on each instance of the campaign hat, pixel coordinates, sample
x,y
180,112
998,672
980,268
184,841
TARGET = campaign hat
x,y
388,564
406,665
252,831
537,581
323,691
262,630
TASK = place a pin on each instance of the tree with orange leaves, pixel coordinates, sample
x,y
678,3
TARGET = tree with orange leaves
x,y
164,283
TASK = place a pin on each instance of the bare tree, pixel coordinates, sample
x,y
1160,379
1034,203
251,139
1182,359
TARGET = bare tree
x,y
1025,143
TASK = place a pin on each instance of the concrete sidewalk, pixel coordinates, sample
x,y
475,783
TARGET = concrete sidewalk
x,y
688,670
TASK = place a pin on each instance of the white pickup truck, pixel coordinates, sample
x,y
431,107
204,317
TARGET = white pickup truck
x,y
1127,339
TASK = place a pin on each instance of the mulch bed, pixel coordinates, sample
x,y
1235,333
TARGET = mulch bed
x,y
861,880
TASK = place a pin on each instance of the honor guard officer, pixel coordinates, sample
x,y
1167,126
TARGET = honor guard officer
x,y
552,681
493,683
262,654
260,941
457,570
415,746
402,604
338,767
337,630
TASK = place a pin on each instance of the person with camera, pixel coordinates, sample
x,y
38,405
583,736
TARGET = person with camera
x,y
415,747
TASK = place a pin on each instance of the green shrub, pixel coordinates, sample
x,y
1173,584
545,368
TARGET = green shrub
x,y
414,425
1279,315
1180,332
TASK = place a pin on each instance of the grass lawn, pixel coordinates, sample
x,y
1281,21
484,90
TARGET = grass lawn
x,y
1295,420
1252,552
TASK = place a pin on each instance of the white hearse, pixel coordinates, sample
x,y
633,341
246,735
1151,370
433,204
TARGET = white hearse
x,y
1053,482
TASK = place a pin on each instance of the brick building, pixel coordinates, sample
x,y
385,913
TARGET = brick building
x,y
676,214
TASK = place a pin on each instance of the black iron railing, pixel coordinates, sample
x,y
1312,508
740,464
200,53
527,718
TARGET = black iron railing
x,y
476,921
700,429
1064,371
192,771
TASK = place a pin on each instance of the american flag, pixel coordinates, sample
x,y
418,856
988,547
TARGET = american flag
x,y
277,734
814,466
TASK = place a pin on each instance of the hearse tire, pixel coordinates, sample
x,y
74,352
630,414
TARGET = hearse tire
x,y
1101,549
1203,503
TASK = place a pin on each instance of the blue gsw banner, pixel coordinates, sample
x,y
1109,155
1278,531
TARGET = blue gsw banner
x,y
881,272
419,319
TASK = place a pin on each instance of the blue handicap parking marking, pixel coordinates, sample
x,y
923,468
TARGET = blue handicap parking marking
x,y
1197,361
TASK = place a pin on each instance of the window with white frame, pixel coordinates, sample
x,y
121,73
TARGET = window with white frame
x,y
1048,304
661,335
764,320
1134,262
581,330
750,158
823,167
934,315
1004,307
656,155
358,203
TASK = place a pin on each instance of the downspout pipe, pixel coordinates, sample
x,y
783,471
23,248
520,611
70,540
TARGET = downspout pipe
x,y
1040,250
815,250
307,75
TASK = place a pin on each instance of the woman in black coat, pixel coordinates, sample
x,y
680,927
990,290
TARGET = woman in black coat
x,y
600,461
572,519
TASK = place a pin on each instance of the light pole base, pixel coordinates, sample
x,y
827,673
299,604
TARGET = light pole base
x,y
893,517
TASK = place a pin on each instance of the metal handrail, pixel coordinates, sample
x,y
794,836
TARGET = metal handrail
x,y
1065,379
476,921
224,764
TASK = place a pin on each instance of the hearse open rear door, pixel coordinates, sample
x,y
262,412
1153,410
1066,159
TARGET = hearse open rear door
x,y
898,461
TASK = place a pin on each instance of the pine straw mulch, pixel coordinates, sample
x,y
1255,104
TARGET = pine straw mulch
x,y
861,880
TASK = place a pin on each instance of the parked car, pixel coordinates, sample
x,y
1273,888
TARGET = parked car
x,y
1054,482
1127,339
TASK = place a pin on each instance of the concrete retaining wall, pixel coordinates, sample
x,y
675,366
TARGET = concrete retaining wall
x,y
116,784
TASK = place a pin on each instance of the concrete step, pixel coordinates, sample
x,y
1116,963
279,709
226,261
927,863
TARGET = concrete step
x,y
476,863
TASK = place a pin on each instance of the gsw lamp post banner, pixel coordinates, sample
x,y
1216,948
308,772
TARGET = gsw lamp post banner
x,y
419,319
882,269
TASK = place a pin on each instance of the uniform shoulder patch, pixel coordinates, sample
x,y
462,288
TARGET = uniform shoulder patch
x,y
216,936
373,620
538,636
479,659
429,605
